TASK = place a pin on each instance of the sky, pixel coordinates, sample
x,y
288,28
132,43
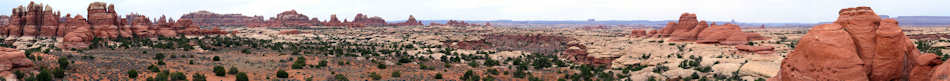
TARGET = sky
x,y
763,11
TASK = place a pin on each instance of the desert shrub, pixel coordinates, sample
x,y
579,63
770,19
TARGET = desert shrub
x,y
63,62
159,56
178,76
198,77
44,75
219,71
340,77
323,63
299,63
438,76
396,74
381,66
215,58
375,76
234,70
58,73
241,77
282,74
132,73
153,68
470,76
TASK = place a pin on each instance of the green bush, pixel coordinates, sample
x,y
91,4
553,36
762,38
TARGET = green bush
x,y
396,74
154,68
215,58
473,63
340,77
234,70
58,73
381,66
219,71
323,63
299,63
470,76
375,76
282,74
438,76
179,76
198,77
132,73
241,77
44,75
159,56
63,62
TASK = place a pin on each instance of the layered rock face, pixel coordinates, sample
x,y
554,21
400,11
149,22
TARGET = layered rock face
x,y
290,19
11,60
31,21
368,21
35,20
859,46
205,18
103,20
688,28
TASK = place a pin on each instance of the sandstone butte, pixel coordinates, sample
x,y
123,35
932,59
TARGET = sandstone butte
x,y
859,46
688,28
40,21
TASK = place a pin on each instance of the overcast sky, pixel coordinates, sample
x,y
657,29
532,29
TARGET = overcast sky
x,y
799,11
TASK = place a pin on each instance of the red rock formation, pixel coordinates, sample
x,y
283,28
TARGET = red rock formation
x,y
103,20
11,60
205,18
333,21
859,46
368,21
290,19
140,25
410,22
638,33
688,28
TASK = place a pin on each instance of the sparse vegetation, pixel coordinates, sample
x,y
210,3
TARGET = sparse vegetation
x,y
219,71
282,74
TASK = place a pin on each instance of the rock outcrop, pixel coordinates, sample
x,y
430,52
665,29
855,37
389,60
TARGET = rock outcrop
x,y
756,49
11,60
859,46
410,22
688,28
